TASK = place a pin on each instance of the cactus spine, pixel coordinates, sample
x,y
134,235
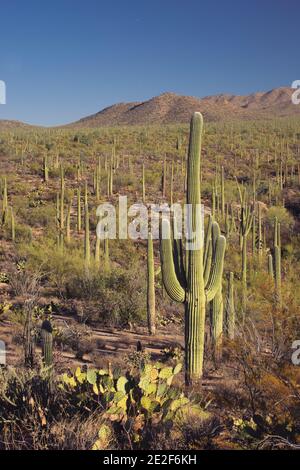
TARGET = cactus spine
x,y
150,287
189,286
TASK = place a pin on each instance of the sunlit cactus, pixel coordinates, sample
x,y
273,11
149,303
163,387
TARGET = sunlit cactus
x,y
185,282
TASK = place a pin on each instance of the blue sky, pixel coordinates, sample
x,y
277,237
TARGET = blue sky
x,y
62,60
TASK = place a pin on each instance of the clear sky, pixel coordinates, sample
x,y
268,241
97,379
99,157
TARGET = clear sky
x,y
65,59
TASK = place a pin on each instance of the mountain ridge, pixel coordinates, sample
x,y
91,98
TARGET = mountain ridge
x,y
169,108
172,108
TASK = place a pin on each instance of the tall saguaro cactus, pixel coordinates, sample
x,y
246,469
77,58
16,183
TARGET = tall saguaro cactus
x,y
194,285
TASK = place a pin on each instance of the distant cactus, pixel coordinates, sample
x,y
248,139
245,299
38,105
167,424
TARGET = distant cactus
x,y
28,337
46,169
150,287
260,237
106,252
164,178
4,202
12,225
222,192
270,266
172,184
87,248
245,227
277,262
97,250
47,340
68,223
78,210
143,183
230,308
62,198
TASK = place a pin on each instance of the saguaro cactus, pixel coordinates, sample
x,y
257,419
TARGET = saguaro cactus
x,y
4,202
78,210
68,222
106,254
28,337
46,169
216,305
143,183
270,266
150,287
260,237
230,309
87,247
190,285
172,183
47,340
277,262
164,177
245,227
12,225
222,192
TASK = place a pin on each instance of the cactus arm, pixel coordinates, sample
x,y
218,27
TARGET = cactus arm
x,y
239,190
207,263
179,262
217,269
207,240
170,280
270,266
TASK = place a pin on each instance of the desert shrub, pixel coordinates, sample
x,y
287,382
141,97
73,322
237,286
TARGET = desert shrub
x,y
283,216
41,216
120,295
76,337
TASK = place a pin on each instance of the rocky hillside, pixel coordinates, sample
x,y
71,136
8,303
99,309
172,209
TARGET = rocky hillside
x,y
172,108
